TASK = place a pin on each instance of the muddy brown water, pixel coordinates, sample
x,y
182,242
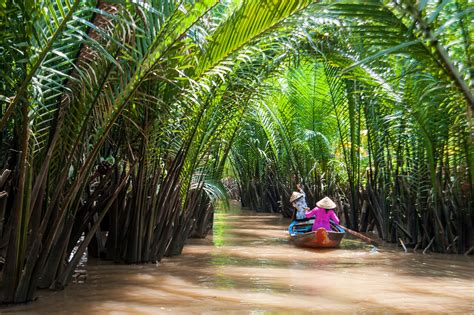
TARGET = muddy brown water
x,y
247,266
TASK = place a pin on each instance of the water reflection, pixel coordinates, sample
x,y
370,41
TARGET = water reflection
x,y
249,267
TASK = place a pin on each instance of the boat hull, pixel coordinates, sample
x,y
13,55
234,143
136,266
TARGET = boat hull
x,y
321,238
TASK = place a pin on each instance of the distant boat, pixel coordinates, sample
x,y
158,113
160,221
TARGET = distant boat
x,y
302,236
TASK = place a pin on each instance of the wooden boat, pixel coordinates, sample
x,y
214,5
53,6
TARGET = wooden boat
x,y
302,236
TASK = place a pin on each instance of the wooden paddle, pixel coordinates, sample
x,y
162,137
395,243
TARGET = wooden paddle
x,y
360,236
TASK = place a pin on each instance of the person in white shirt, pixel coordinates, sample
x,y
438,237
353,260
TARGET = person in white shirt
x,y
298,201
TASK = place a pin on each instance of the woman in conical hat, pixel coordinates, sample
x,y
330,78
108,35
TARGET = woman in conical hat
x,y
295,196
324,211
298,201
326,203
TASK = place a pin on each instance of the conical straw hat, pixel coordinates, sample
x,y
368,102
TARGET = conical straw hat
x,y
326,203
295,195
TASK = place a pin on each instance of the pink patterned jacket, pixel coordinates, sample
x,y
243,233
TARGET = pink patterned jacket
x,y
322,218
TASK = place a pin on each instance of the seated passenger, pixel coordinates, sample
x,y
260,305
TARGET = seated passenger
x,y
298,201
324,211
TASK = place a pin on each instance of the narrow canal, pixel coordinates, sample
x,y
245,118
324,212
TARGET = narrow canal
x,y
247,266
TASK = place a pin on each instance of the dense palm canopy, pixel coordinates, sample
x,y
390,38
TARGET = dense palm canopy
x,y
123,116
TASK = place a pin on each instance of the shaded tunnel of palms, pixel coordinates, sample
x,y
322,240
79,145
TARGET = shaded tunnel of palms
x,y
124,117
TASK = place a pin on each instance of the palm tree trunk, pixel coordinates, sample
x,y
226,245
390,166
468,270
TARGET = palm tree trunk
x,y
16,249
